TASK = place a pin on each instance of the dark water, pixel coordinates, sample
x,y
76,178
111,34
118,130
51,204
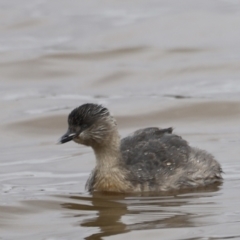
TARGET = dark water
x,y
152,63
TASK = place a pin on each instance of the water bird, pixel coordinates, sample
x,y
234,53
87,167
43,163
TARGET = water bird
x,y
149,160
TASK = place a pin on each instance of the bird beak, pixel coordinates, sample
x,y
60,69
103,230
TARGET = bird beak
x,y
68,136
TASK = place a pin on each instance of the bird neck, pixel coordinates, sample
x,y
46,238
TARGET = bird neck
x,y
108,153
109,174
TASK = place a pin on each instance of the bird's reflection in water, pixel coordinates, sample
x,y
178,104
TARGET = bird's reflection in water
x,y
105,211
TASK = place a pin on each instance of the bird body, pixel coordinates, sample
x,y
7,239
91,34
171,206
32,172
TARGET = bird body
x,y
149,160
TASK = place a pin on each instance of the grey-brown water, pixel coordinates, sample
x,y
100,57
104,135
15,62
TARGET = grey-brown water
x,y
152,63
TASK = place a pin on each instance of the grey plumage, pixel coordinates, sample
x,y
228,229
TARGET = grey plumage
x,y
161,160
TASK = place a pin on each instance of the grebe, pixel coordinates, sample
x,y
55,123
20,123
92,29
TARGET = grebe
x,y
151,159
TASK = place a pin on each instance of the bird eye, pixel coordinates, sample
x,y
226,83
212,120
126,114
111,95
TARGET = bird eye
x,y
84,126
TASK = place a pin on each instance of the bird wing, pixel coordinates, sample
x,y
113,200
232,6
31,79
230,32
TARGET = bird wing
x,y
151,149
